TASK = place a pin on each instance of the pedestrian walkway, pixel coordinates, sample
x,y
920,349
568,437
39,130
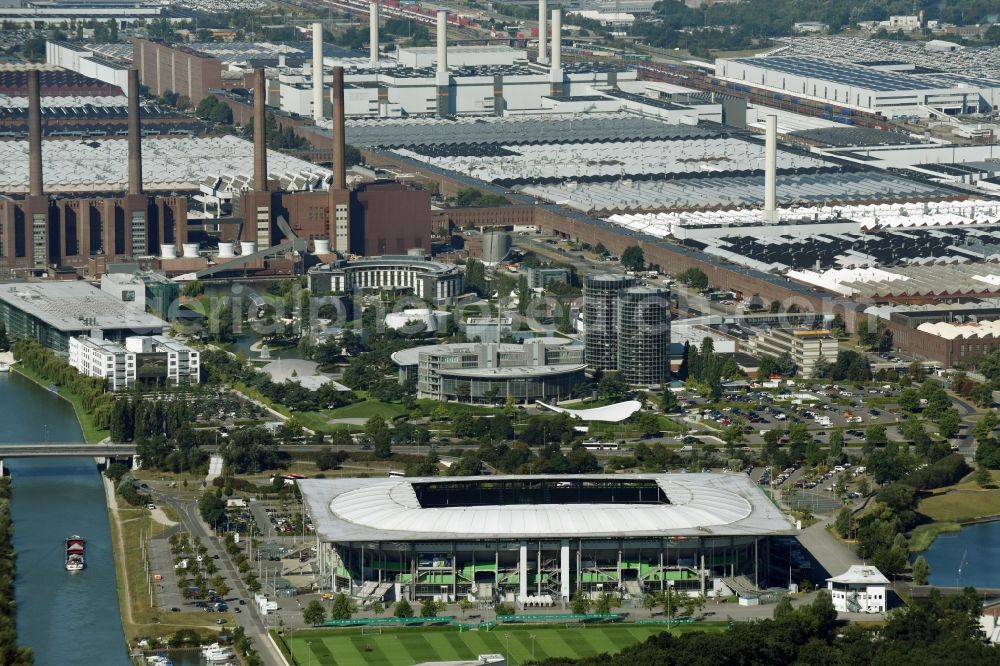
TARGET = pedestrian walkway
x,y
831,554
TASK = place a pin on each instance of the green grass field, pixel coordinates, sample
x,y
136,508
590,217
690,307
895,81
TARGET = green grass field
x,y
365,409
348,647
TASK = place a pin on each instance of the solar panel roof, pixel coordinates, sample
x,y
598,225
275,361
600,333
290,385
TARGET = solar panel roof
x,y
840,72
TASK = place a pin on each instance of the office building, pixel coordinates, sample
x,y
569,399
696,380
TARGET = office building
x,y
805,347
539,369
53,312
152,359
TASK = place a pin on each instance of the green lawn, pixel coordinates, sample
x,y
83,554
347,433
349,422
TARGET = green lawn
x,y
340,647
365,409
962,502
91,433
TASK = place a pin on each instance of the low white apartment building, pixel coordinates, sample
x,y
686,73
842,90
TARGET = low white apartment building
x,y
143,358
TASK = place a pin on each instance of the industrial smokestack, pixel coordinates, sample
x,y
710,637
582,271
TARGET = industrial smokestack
x,y
555,70
35,188
317,71
771,170
259,134
543,37
442,47
134,135
556,39
443,95
337,159
373,12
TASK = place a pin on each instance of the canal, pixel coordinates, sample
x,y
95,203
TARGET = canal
x,y
966,557
65,618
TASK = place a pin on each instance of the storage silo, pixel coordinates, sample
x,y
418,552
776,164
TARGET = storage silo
x,y
496,246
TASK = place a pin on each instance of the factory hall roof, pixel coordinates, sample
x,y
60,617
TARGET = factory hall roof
x,y
840,72
76,306
675,505
168,164
550,128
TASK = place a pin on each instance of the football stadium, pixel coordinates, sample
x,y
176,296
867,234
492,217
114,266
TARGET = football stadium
x,y
537,540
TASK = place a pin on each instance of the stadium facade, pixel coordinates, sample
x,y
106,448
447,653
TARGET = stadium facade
x,y
538,540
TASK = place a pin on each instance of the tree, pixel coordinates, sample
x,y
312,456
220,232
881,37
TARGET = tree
x,y
670,403
579,604
342,607
983,477
428,608
402,608
606,603
211,507
633,258
694,278
843,522
921,571
875,436
985,426
4,340
949,423
314,614
464,605
503,609
837,444
909,400
377,434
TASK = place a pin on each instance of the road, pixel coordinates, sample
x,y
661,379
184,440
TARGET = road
x,y
249,618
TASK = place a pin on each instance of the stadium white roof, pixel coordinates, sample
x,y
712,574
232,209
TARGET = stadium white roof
x,y
168,164
609,413
702,505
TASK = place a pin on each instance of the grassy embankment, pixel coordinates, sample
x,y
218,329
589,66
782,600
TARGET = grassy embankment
x,y
130,526
91,433
951,506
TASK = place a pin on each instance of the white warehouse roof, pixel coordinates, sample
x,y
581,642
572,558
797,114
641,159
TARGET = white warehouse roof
x,y
387,509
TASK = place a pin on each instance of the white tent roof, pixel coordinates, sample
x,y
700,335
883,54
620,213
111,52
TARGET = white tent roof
x,y
609,413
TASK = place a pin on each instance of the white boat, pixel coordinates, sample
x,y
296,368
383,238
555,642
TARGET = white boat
x,y
158,660
217,653
4,367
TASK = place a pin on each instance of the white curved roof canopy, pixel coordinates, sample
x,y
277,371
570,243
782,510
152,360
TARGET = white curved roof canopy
x,y
609,413
388,510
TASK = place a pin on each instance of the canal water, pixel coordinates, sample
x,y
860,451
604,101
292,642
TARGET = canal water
x,y
66,618
967,557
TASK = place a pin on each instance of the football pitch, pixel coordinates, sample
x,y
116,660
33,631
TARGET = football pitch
x,y
404,647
